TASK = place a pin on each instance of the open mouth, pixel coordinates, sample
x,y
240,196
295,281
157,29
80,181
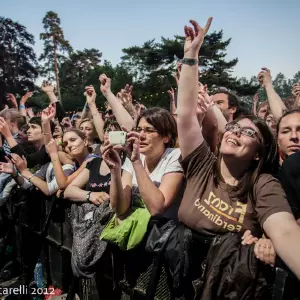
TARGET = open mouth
x,y
233,142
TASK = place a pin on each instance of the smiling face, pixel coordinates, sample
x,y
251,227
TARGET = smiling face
x,y
34,133
74,144
239,144
289,134
150,140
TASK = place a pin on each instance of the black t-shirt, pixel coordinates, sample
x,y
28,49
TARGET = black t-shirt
x,y
289,177
97,182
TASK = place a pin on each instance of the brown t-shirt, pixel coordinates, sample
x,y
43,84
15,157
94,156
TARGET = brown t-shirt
x,y
210,210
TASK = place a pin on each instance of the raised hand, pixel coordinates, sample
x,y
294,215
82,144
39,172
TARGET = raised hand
x,y
25,98
264,77
20,163
98,197
47,87
4,129
105,84
125,95
172,94
52,147
296,89
29,112
90,94
255,98
49,113
11,98
7,167
194,38
204,102
111,157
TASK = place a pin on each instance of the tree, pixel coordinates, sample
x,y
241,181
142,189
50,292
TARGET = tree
x,y
73,99
75,69
18,64
54,47
159,59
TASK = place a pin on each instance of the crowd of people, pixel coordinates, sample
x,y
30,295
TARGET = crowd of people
x,y
207,163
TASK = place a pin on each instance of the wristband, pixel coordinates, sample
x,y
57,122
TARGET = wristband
x,y
189,61
22,106
16,175
30,177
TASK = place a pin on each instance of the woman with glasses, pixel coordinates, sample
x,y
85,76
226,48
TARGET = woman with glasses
x,y
152,171
236,190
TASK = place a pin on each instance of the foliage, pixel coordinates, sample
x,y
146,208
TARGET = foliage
x,y
18,64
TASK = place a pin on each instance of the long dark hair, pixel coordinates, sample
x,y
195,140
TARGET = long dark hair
x,y
268,163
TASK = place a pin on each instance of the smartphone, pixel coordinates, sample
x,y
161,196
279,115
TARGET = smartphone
x,y
117,137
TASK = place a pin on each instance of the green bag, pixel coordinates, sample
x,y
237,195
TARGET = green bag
x,y
131,231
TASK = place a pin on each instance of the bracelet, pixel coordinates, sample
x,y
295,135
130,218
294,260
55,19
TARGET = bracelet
x,y
95,114
22,106
46,133
53,160
30,177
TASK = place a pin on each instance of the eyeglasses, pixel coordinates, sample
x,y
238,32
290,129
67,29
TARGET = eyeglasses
x,y
246,131
147,130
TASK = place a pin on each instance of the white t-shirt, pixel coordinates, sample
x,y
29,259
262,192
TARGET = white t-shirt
x,y
169,163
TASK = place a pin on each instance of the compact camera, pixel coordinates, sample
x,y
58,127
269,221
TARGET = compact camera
x,y
117,137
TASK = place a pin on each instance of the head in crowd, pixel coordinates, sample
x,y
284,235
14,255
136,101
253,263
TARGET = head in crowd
x,y
58,132
288,132
35,133
158,131
88,128
242,111
227,102
270,121
14,119
249,143
76,119
262,110
76,144
108,112
110,124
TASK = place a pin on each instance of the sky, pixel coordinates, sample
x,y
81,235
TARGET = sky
x,y
264,33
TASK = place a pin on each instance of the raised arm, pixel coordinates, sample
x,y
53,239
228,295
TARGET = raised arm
x,y
189,131
254,105
47,115
276,104
121,114
23,101
296,93
172,102
97,117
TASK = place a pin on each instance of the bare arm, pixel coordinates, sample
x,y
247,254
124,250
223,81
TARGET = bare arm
x,y
156,199
210,129
220,118
36,181
23,101
74,191
120,191
121,114
276,104
97,117
284,233
189,132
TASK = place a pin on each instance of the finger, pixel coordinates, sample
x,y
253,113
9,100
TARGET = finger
x,y
119,148
124,128
207,26
246,234
186,32
196,27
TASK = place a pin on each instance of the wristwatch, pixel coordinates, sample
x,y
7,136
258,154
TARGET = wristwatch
x,y
189,61
88,196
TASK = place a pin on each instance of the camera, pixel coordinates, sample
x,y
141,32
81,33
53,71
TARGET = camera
x,y
117,137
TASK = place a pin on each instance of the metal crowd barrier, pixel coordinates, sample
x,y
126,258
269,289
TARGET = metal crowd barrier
x,y
34,226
